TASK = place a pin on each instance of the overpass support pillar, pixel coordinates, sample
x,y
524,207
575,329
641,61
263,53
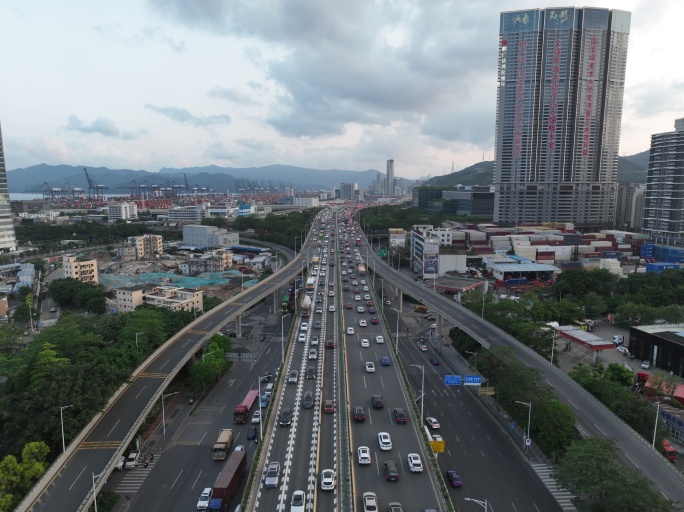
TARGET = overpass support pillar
x,y
275,303
238,326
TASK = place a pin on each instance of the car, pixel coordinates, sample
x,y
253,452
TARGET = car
x,y
330,344
256,417
434,361
372,310
360,309
331,293
623,350
344,272
313,353
331,308
433,326
391,471
395,506
385,361
293,377
53,310
364,455
319,311
132,460
302,338
350,330
365,343
304,326
318,325
120,464
377,401
285,419
328,480
265,377
379,339
355,283
357,290
319,300
365,288
363,323
357,297
272,477
331,283
328,407
370,367
366,297
388,303
646,365
298,501
314,340
385,441
251,433
308,400
363,281
414,463
370,502
205,497
400,415
453,478
436,437
422,346
349,306
311,372
369,303
359,414
432,422
240,448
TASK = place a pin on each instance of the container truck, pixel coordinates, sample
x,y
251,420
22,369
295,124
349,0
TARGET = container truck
x,y
230,477
242,411
668,450
222,444
306,306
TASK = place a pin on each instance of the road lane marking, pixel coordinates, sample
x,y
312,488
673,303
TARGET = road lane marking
x,y
115,424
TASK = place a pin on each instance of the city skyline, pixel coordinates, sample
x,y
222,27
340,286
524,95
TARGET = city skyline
x,y
170,84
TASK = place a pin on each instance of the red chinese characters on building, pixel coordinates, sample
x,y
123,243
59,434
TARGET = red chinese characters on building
x,y
589,96
519,100
553,103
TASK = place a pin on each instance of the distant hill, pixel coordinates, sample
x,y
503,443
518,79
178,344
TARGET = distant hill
x,y
219,178
630,169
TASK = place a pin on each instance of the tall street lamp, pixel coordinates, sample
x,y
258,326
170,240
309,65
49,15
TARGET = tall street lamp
x,y
483,504
282,338
655,429
164,415
296,238
95,492
136,341
529,420
61,421
382,294
422,391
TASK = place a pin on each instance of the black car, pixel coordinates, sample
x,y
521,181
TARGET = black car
x,y
391,471
318,300
308,400
400,415
285,418
359,414
251,433
318,325
378,402
311,372
453,478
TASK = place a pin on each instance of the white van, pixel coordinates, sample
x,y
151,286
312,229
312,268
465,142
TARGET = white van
x,y
269,388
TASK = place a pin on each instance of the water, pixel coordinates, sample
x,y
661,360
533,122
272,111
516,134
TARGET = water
x,y
165,278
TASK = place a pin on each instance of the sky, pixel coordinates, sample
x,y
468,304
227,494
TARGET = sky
x,y
147,84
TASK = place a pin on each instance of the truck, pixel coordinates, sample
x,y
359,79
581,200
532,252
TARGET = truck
x,y
306,306
216,504
421,309
230,477
222,444
242,411
669,451
358,240
362,270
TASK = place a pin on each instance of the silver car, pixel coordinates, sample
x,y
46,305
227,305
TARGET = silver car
x,y
272,477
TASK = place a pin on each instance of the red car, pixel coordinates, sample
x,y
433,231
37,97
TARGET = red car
x,y
356,290
374,320
369,303
328,406
348,306
434,361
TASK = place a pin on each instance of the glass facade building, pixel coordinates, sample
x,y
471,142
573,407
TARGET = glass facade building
x,y
559,109
8,239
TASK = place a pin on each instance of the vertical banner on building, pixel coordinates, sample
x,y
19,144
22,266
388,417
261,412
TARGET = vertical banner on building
x,y
430,259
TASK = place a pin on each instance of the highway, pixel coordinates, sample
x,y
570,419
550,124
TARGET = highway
x,y
593,418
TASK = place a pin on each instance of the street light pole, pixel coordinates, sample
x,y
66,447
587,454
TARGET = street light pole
x,y
422,391
282,338
136,341
61,421
296,238
164,415
484,292
479,502
382,294
553,343
261,429
529,420
396,347
655,429
94,492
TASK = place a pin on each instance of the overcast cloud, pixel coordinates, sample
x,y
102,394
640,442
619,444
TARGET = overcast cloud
x,y
346,85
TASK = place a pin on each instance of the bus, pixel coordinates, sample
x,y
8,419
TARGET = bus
x,y
580,324
311,285
285,304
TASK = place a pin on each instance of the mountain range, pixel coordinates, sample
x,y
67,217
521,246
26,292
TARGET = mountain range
x,y
632,169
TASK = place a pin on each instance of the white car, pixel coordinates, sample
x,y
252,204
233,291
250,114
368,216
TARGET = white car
x,y
385,441
432,422
622,350
646,365
355,283
414,462
302,338
365,343
379,339
350,330
328,480
256,417
437,437
203,501
363,281
344,272
364,455
360,309
331,308
304,326
313,354
331,293
370,367
366,297
314,340
370,502
363,323
298,502
365,288
357,297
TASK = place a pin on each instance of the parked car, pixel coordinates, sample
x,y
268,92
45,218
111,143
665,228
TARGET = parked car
x,y
646,365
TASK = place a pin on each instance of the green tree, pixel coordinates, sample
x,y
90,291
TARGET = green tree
x,y
17,478
594,305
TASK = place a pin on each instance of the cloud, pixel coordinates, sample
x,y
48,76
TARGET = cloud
x,y
114,32
182,115
218,151
103,126
234,94
655,97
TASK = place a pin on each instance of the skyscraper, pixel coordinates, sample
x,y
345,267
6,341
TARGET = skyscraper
x,y
559,109
664,197
389,188
8,239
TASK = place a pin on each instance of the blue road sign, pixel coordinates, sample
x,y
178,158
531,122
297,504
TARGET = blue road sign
x,y
452,380
473,380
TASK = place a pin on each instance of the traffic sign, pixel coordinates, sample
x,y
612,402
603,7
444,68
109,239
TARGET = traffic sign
x,y
473,380
487,391
452,380
437,446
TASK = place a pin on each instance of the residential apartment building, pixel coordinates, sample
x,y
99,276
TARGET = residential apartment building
x,y
306,202
664,198
84,271
561,77
122,211
389,180
218,260
170,297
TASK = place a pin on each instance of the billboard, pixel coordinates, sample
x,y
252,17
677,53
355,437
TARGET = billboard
x,y
431,258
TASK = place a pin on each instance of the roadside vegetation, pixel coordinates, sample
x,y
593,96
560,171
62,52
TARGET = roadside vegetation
x,y
285,230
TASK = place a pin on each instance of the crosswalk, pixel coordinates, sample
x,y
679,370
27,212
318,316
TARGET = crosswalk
x,y
562,496
134,478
